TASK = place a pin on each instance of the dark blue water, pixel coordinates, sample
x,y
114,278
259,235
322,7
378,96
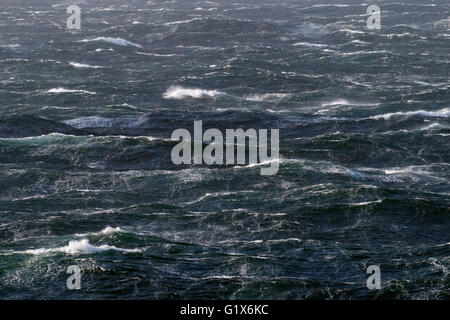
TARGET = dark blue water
x,y
85,171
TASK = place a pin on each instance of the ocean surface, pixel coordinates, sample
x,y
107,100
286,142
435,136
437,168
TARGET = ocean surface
x,y
86,176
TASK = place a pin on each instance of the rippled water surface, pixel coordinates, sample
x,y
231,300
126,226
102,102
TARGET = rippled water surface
x,y
86,176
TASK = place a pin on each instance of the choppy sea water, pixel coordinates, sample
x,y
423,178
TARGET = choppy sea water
x,y
86,176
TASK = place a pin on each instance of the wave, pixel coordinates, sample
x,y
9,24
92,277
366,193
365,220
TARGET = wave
x,y
178,93
21,126
105,231
157,54
84,66
440,84
182,21
101,122
116,41
64,90
444,113
127,105
336,103
11,46
218,195
359,42
270,97
351,31
345,102
262,163
89,122
76,247
310,45
55,138
50,137
360,53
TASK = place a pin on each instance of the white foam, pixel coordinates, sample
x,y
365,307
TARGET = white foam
x,y
11,46
64,90
156,54
218,195
50,137
116,41
335,102
345,102
434,125
89,122
129,106
356,53
351,31
360,42
105,231
365,203
271,97
101,122
310,45
78,247
262,163
182,21
432,84
330,5
439,113
83,66
100,50
178,92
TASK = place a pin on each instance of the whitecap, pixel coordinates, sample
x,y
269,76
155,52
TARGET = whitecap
x,y
345,102
439,113
178,92
11,46
360,42
64,90
116,41
156,54
77,247
105,231
310,45
83,66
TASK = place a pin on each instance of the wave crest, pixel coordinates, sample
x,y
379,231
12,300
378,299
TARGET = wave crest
x,y
179,92
116,41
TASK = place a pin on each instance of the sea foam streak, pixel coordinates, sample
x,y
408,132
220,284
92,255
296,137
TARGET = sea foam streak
x,y
101,122
83,66
270,97
64,90
345,102
310,45
444,113
116,41
89,122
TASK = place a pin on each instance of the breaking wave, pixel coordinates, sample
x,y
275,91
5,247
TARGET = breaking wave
x,y
76,247
116,41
